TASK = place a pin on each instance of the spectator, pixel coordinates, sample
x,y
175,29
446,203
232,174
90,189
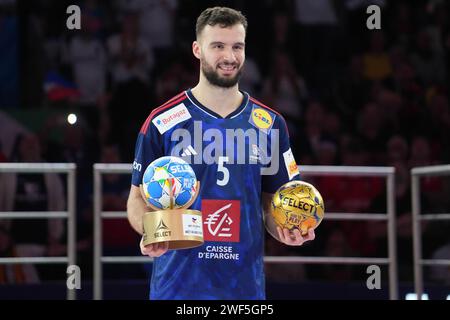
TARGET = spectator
x,y
373,130
251,77
377,231
281,26
16,273
130,54
311,132
316,23
337,246
327,153
441,274
420,153
96,15
397,150
175,76
429,66
438,120
352,89
118,237
377,65
157,18
285,89
280,272
352,195
115,193
34,192
332,125
87,58
403,25
432,187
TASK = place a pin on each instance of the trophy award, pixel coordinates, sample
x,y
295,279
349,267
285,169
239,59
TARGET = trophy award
x,y
169,187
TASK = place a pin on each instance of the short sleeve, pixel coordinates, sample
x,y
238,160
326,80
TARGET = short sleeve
x,y
282,167
149,147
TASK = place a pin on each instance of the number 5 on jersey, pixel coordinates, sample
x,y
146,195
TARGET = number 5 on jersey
x,y
226,173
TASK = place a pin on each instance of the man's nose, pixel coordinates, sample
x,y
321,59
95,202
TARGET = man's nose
x,y
229,55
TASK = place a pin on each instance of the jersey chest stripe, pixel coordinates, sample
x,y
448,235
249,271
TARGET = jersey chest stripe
x,y
170,100
145,125
167,105
263,105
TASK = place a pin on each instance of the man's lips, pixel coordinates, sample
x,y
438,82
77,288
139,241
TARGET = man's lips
x,y
227,68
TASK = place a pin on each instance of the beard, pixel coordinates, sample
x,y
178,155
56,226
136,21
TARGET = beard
x,y
215,79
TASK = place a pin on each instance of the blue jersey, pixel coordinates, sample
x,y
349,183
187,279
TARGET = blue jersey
x,y
235,159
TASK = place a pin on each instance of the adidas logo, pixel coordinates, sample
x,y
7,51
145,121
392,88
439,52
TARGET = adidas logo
x,y
189,151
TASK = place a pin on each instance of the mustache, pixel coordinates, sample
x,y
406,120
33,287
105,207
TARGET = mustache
x,y
228,64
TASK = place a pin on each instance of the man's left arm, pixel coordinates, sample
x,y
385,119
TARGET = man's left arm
x,y
283,161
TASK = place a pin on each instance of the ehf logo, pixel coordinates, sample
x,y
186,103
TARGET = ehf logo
x,y
221,220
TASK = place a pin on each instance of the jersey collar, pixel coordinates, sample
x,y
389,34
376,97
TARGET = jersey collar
x,y
215,115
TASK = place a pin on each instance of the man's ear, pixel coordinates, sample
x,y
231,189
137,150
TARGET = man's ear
x,y
196,49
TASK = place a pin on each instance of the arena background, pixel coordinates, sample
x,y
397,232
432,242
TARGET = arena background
x,y
351,96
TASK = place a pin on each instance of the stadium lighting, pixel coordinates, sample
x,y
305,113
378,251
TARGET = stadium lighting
x,y
72,118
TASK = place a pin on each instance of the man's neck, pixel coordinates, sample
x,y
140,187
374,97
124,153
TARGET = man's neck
x,y
222,101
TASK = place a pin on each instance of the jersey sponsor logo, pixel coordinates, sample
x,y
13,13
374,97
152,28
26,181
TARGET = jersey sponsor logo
x,y
291,165
137,166
219,253
261,119
170,118
221,220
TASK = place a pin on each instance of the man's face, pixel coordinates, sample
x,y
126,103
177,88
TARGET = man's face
x,y
222,54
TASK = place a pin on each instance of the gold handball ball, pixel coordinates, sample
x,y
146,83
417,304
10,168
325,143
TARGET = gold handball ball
x,y
297,205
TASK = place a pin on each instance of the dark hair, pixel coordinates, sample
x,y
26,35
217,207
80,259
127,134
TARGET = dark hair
x,y
223,16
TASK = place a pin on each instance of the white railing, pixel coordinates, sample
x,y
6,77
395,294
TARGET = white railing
x,y
416,173
99,259
391,260
66,168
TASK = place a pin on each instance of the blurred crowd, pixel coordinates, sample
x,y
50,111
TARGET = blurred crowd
x,y
351,96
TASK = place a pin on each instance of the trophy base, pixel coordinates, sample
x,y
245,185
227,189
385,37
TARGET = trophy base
x,y
182,228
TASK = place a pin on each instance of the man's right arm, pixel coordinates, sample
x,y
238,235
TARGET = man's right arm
x,y
136,208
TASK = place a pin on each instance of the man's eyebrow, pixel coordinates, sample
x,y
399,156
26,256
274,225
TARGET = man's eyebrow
x,y
219,42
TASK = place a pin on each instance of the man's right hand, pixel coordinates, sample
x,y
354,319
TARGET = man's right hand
x,y
155,249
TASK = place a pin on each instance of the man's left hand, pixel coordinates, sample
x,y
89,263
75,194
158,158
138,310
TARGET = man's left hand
x,y
294,238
